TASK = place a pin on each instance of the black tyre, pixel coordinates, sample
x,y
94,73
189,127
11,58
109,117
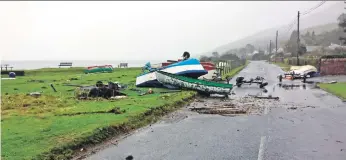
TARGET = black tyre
x,y
204,94
263,84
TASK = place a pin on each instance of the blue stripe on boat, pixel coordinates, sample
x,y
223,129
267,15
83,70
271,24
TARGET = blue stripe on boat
x,y
190,61
193,73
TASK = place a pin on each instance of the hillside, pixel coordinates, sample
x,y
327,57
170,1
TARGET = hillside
x,y
321,21
320,28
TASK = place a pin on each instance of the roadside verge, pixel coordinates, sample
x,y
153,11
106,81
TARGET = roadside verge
x,y
337,89
236,70
69,150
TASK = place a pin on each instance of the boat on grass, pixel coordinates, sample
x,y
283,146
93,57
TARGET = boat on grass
x,y
95,69
189,68
202,86
209,66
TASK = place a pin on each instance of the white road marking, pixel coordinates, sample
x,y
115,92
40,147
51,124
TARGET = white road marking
x,y
261,148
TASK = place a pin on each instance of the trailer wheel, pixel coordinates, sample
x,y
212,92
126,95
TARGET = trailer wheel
x,y
263,84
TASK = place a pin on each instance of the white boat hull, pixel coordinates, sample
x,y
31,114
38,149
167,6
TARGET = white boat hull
x,y
210,75
149,79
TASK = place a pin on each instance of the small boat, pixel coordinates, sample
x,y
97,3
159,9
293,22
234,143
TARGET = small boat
x,y
209,66
300,71
202,86
189,68
95,69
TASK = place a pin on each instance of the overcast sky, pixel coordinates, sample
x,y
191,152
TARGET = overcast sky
x,y
111,30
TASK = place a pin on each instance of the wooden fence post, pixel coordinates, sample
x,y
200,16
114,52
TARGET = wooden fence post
x,y
227,69
230,66
223,68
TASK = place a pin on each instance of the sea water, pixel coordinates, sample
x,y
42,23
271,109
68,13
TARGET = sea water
x,y
37,64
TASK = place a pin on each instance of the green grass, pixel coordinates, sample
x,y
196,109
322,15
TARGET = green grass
x,y
236,70
34,126
338,89
283,66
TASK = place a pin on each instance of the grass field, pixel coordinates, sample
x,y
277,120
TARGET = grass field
x,y
338,89
34,126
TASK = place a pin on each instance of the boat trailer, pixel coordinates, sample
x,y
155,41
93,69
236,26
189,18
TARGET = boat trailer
x,y
258,80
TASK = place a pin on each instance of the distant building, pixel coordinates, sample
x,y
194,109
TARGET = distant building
x,y
312,48
280,50
333,46
288,54
251,54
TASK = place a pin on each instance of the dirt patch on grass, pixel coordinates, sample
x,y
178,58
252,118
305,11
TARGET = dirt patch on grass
x,y
24,102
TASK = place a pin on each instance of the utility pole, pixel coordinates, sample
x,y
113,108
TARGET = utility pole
x,y
298,40
270,47
6,65
276,42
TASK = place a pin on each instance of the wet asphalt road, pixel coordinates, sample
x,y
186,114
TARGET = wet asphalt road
x,y
315,130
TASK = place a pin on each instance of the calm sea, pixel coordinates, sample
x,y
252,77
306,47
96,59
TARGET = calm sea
x,y
30,64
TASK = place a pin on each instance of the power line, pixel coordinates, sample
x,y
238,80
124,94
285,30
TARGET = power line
x,y
292,24
312,9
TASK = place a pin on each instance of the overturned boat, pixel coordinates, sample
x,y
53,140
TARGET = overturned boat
x,y
208,66
189,68
96,69
201,86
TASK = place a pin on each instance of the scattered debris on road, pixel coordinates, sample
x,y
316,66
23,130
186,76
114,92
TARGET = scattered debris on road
x,y
258,80
269,97
293,108
130,157
264,97
217,110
